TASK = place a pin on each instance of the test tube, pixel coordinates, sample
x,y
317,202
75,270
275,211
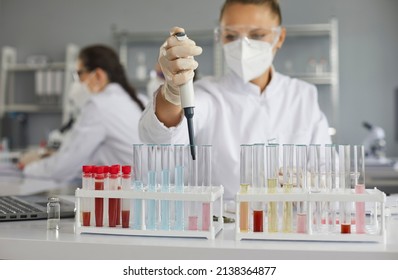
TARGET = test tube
x,y
272,184
345,184
359,171
165,156
118,200
112,204
288,155
106,187
192,185
139,213
126,186
315,175
179,185
151,207
301,174
258,186
246,179
99,201
86,202
206,184
330,183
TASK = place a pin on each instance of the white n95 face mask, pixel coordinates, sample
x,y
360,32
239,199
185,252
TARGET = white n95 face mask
x,y
77,97
248,58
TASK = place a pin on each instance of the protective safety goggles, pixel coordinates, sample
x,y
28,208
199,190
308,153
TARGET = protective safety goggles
x,y
229,33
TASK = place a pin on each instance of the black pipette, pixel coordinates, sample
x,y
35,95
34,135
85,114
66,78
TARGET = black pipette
x,y
187,103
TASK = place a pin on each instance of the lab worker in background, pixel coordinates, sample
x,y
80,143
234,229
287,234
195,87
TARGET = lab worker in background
x,y
251,103
108,122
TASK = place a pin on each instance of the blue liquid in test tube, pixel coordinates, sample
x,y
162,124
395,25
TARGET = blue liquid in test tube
x,y
165,151
179,186
151,203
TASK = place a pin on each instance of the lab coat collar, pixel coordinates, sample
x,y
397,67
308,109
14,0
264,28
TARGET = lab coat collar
x,y
232,81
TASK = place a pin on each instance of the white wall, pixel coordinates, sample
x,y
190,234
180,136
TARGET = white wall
x,y
368,41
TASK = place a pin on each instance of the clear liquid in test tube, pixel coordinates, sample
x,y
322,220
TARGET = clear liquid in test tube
x,y
345,186
151,203
165,157
87,184
301,175
126,186
139,206
288,158
206,151
179,186
258,186
331,184
359,184
246,180
272,152
315,176
193,207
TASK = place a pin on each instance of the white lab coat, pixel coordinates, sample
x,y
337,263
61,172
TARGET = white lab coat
x,y
229,113
102,135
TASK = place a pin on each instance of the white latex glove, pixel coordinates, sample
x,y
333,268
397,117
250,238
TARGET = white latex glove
x,y
176,59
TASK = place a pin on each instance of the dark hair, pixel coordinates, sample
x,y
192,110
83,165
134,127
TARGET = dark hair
x,y
100,56
272,4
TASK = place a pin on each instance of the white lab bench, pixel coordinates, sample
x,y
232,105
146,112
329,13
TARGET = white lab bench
x,y
30,240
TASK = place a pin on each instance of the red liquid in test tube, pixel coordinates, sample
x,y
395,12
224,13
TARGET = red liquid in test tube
x,y
258,218
113,202
99,202
345,228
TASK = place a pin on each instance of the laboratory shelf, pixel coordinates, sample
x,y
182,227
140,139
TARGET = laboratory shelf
x,y
375,220
320,29
55,82
316,79
30,108
26,67
212,195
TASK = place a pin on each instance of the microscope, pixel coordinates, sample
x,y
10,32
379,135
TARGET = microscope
x,y
375,145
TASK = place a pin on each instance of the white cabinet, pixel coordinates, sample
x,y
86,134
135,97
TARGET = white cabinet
x,y
310,53
35,88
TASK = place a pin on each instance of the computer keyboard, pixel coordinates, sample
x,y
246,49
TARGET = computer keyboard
x,y
10,205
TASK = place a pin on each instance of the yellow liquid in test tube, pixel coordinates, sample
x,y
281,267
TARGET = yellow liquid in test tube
x,y
287,225
272,207
244,210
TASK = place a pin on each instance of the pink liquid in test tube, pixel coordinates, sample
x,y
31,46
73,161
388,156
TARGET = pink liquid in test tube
x,y
301,223
205,216
360,211
193,222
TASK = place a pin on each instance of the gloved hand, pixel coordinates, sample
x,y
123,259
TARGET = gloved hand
x,y
29,157
32,156
176,59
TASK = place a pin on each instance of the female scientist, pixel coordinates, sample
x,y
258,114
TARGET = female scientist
x,y
108,123
252,103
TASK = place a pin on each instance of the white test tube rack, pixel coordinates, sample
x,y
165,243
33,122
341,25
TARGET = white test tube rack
x,y
212,195
375,230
